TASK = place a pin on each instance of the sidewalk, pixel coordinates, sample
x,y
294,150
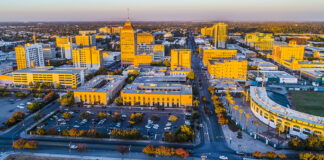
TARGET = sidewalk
x,y
270,133
247,144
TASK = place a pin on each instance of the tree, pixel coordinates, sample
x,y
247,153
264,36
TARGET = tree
x,y
40,131
211,90
85,115
204,99
35,106
149,149
173,118
257,154
102,115
280,129
37,116
167,63
73,132
19,144
196,103
119,101
270,155
240,111
236,107
19,115
31,145
247,116
307,156
82,148
282,156
58,85
11,121
191,75
182,153
239,134
50,96
66,115
155,118
135,118
122,150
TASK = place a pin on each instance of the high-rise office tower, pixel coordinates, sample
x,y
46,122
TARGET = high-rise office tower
x,y
91,58
220,35
29,56
127,44
180,58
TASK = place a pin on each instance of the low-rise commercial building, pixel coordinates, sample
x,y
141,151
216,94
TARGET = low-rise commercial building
x,y
68,77
100,90
157,93
314,74
295,64
275,77
263,65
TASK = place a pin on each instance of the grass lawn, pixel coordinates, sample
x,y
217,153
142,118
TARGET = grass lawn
x,y
308,102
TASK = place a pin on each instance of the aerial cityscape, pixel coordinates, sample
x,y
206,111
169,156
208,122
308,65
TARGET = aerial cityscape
x,y
137,80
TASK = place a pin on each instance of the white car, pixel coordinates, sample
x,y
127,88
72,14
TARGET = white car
x,y
187,122
223,158
167,128
22,104
73,146
60,120
148,126
76,126
21,107
124,116
89,112
156,126
63,123
168,124
149,121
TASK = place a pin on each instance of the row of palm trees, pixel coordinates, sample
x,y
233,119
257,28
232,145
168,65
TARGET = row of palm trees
x,y
236,108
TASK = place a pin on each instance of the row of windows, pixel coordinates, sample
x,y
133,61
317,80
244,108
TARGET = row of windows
x,y
295,128
153,99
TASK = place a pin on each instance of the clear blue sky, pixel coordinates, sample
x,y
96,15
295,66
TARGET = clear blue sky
x,y
162,10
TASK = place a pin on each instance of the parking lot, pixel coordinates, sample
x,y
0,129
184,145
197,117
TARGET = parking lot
x,y
153,130
9,105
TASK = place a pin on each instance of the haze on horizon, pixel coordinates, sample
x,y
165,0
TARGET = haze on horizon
x,y
166,10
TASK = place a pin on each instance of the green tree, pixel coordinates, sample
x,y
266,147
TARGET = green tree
x,y
37,116
191,75
119,101
66,115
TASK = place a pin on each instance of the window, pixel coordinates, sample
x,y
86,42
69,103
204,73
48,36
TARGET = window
x,y
296,128
306,131
317,133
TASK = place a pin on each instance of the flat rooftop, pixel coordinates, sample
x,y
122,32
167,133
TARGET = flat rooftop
x,y
274,74
158,88
101,83
260,96
221,60
317,72
159,79
51,69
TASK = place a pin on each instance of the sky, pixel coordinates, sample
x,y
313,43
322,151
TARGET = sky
x,y
161,10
